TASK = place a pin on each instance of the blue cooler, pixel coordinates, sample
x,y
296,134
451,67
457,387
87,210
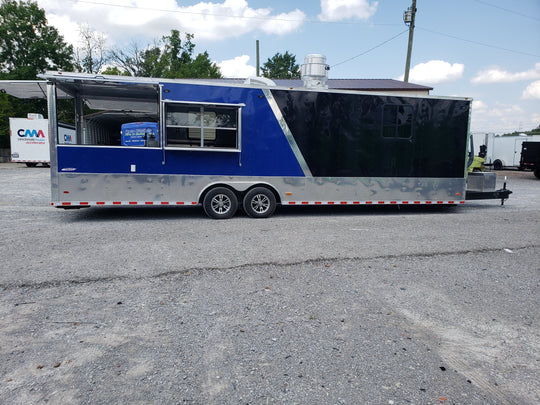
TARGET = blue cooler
x,y
140,134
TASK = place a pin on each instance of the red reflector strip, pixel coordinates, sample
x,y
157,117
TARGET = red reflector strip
x,y
393,202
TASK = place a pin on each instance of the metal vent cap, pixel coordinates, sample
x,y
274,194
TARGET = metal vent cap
x,y
315,71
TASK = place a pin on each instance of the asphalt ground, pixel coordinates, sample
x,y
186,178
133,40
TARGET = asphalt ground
x,y
315,305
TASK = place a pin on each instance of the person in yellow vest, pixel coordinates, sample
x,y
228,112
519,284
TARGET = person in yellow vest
x,y
478,161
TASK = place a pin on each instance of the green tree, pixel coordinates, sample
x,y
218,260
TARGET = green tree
x,y
28,46
535,131
115,70
171,58
281,66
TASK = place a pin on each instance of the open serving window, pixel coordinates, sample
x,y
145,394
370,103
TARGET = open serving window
x,y
110,113
202,126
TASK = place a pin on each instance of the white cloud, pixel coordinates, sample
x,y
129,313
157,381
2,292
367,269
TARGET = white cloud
x,y
502,110
479,106
335,10
207,20
497,75
435,71
502,118
67,27
532,91
283,23
237,67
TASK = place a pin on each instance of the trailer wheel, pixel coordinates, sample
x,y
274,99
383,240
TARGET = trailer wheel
x,y
220,203
259,202
537,172
497,165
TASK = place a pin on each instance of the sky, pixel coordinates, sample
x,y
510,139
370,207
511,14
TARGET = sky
x,y
488,50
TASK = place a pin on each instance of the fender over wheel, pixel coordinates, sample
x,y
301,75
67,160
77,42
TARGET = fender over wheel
x,y
259,202
220,203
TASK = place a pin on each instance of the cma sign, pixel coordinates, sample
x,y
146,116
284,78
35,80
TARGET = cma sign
x,y
30,133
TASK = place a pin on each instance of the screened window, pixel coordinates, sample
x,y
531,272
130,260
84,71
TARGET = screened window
x,y
202,126
397,121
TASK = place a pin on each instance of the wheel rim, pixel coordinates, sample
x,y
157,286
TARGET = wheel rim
x,y
260,203
221,204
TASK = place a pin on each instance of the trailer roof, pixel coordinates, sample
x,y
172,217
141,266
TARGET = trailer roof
x,y
347,84
71,81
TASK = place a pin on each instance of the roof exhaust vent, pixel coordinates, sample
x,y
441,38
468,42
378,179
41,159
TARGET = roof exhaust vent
x,y
315,71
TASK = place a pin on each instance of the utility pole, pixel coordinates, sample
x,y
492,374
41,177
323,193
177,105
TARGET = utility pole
x,y
258,65
408,19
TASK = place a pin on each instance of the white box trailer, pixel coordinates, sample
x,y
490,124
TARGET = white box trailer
x,y
29,139
505,151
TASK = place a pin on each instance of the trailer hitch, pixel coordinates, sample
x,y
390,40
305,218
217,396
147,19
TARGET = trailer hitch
x,y
501,194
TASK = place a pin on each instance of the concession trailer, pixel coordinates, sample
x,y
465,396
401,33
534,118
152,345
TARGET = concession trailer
x,y
158,142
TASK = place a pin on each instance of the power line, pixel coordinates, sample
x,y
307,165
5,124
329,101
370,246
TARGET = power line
x,y
479,43
100,3
371,49
507,10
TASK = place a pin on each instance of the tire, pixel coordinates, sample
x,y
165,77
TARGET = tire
x,y
259,202
537,172
497,165
31,164
220,203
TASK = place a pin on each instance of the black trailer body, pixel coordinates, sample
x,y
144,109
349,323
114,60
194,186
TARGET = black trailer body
x,y
530,157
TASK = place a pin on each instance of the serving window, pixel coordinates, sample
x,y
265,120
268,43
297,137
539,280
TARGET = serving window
x,y
397,121
202,126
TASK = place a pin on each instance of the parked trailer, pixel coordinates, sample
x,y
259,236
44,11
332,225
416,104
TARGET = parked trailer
x,y
505,151
29,139
530,157
221,145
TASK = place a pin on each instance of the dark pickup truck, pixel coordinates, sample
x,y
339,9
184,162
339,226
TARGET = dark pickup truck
x,y
530,157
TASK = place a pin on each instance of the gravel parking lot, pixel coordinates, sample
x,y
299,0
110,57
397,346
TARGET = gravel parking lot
x,y
315,305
